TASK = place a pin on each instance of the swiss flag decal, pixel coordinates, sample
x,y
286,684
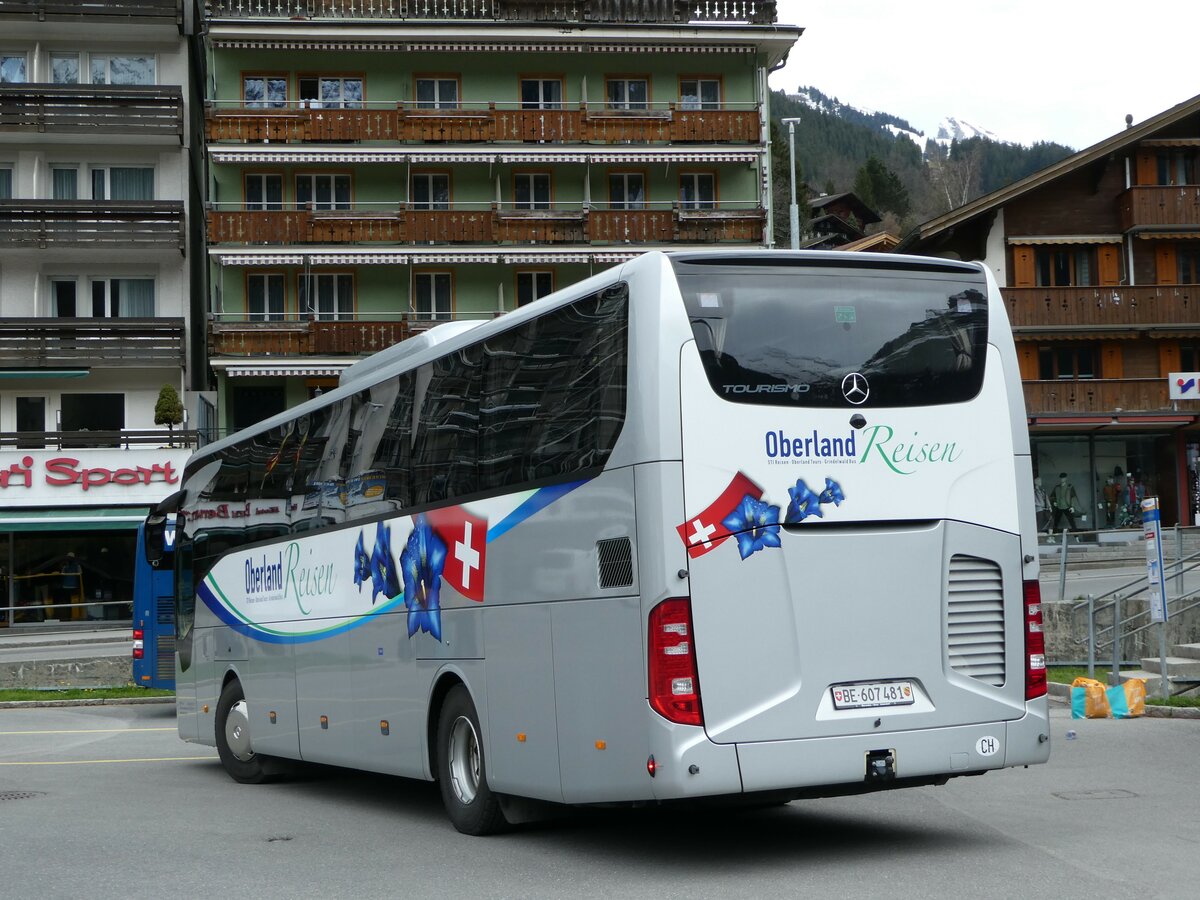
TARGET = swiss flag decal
x,y
705,531
465,537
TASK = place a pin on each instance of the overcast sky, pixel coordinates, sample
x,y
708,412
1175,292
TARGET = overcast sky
x,y
1027,70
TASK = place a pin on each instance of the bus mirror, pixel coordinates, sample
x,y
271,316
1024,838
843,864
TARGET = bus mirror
x,y
156,539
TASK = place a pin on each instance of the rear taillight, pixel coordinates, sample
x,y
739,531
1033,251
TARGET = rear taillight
x,y
138,643
1035,642
674,683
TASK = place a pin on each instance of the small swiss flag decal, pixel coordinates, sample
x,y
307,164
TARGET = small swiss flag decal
x,y
465,537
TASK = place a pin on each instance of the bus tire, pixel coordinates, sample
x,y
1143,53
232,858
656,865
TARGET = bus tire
x,y
233,737
462,770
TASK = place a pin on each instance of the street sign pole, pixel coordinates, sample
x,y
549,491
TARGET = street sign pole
x,y
1152,531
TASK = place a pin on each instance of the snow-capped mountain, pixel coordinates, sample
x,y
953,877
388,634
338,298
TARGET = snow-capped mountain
x,y
952,129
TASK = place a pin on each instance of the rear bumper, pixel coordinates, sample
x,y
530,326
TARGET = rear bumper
x,y
822,762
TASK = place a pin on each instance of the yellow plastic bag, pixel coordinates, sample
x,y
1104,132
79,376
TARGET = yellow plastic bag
x,y
1089,699
1128,699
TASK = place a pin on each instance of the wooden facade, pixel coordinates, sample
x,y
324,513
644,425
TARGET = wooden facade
x,y
90,342
300,338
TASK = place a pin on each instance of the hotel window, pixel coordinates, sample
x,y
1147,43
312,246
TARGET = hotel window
x,y
1064,266
323,191
64,68
1068,361
699,93
64,182
430,191
1189,358
105,69
6,182
533,286
698,190
327,297
331,92
122,183
265,297
264,191
12,68
1188,261
627,190
627,93
531,190
437,93
123,298
541,93
264,91
1178,167
433,295
65,297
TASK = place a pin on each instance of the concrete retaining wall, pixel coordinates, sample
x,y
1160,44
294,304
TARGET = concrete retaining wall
x,y
42,674
1066,632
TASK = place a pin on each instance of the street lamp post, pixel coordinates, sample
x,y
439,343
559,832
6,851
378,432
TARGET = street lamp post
x,y
793,210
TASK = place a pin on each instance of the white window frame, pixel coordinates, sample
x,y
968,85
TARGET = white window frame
x,y
625,202
542,102
531,179
699,102
107,172
107,281
261,178
432,278
108,57
341,102
12,179
534,276
16,54
438,102
66,167
81,67
343,290
623,102
428,178
266,102
266,314
696,203
313,178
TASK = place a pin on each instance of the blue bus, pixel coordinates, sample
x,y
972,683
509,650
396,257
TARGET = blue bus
x,y
154,614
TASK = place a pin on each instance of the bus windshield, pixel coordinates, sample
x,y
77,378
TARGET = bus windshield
x,y
767,337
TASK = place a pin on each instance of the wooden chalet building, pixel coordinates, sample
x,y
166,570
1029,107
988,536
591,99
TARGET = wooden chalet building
x,y
1098,259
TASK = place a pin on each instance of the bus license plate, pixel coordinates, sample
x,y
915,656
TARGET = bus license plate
x,y
875,693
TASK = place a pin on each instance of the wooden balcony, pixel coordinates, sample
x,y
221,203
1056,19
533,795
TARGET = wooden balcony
x,y
1100,396
125,224
94,9
299,338
490,123
94,343
59,440
1150,206
493,225
91,109
755,12
1102,307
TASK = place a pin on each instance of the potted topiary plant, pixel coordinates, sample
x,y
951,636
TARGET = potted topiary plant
x,y
168,410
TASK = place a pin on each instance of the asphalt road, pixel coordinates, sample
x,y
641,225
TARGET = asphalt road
x,y
107,802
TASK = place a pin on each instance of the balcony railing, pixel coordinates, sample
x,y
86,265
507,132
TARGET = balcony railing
x,y
301,122
59,440
87,223
1149,206
91,342
401,223
118,9
757,12
1098,307
294,337
1102,395
92,109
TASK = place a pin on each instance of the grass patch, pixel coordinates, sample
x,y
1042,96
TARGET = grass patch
x,y
1067,674
115,693
1173,701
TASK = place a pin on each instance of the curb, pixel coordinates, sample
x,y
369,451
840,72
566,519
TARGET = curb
x,y
98,701
1061,693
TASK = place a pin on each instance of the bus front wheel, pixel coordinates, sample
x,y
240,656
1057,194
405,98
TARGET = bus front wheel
x,y
462,773
233,737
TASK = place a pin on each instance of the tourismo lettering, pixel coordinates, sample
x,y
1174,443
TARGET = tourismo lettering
x,y
903,457
63,471
780,445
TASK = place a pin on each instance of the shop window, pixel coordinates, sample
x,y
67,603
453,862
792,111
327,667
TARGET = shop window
x,y
331,92
1064,266
69,575
1068,362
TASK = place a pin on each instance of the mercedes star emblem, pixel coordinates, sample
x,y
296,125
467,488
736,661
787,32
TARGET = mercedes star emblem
x,y
855,388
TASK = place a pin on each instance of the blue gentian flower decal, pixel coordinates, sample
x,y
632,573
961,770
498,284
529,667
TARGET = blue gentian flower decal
x,y
421,564
755,524
362,565
804,503
832,493
383,569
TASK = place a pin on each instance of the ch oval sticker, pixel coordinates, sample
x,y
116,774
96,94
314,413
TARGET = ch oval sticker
x,y
987,746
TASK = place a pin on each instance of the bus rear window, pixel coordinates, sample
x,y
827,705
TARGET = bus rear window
x,y
796,336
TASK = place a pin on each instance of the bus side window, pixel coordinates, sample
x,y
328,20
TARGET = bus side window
x,y
446,448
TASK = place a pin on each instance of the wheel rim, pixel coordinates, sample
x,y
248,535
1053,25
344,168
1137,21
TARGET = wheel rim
x,y
237,731
464,760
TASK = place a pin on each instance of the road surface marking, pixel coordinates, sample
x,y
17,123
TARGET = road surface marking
x,y
91,762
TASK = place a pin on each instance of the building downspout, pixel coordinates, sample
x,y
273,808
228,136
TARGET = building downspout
x,y
1129,276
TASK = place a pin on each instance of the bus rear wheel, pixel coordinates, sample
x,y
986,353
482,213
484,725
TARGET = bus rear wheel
x,y
233,737
462,771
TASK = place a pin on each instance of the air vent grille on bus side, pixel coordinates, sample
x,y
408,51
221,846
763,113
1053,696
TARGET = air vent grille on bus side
x,y
166,656
614,558
975,619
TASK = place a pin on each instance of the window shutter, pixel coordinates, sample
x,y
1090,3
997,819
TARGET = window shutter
x,y
1022,266
1027,361
1109,264
1164,259
1111,361
1168,357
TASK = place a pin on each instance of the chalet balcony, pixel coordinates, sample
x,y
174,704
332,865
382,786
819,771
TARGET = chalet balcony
x,y
493,224
474,123
123,224
52,342
754,12
1152,206
1103,396
1112,308
91,109
290,336
96,10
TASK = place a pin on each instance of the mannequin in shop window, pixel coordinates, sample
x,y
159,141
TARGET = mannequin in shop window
x,y
1064,501
1041,504
1110,502
69,591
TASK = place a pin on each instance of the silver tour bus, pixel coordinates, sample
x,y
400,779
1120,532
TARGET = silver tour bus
x,y
750,523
